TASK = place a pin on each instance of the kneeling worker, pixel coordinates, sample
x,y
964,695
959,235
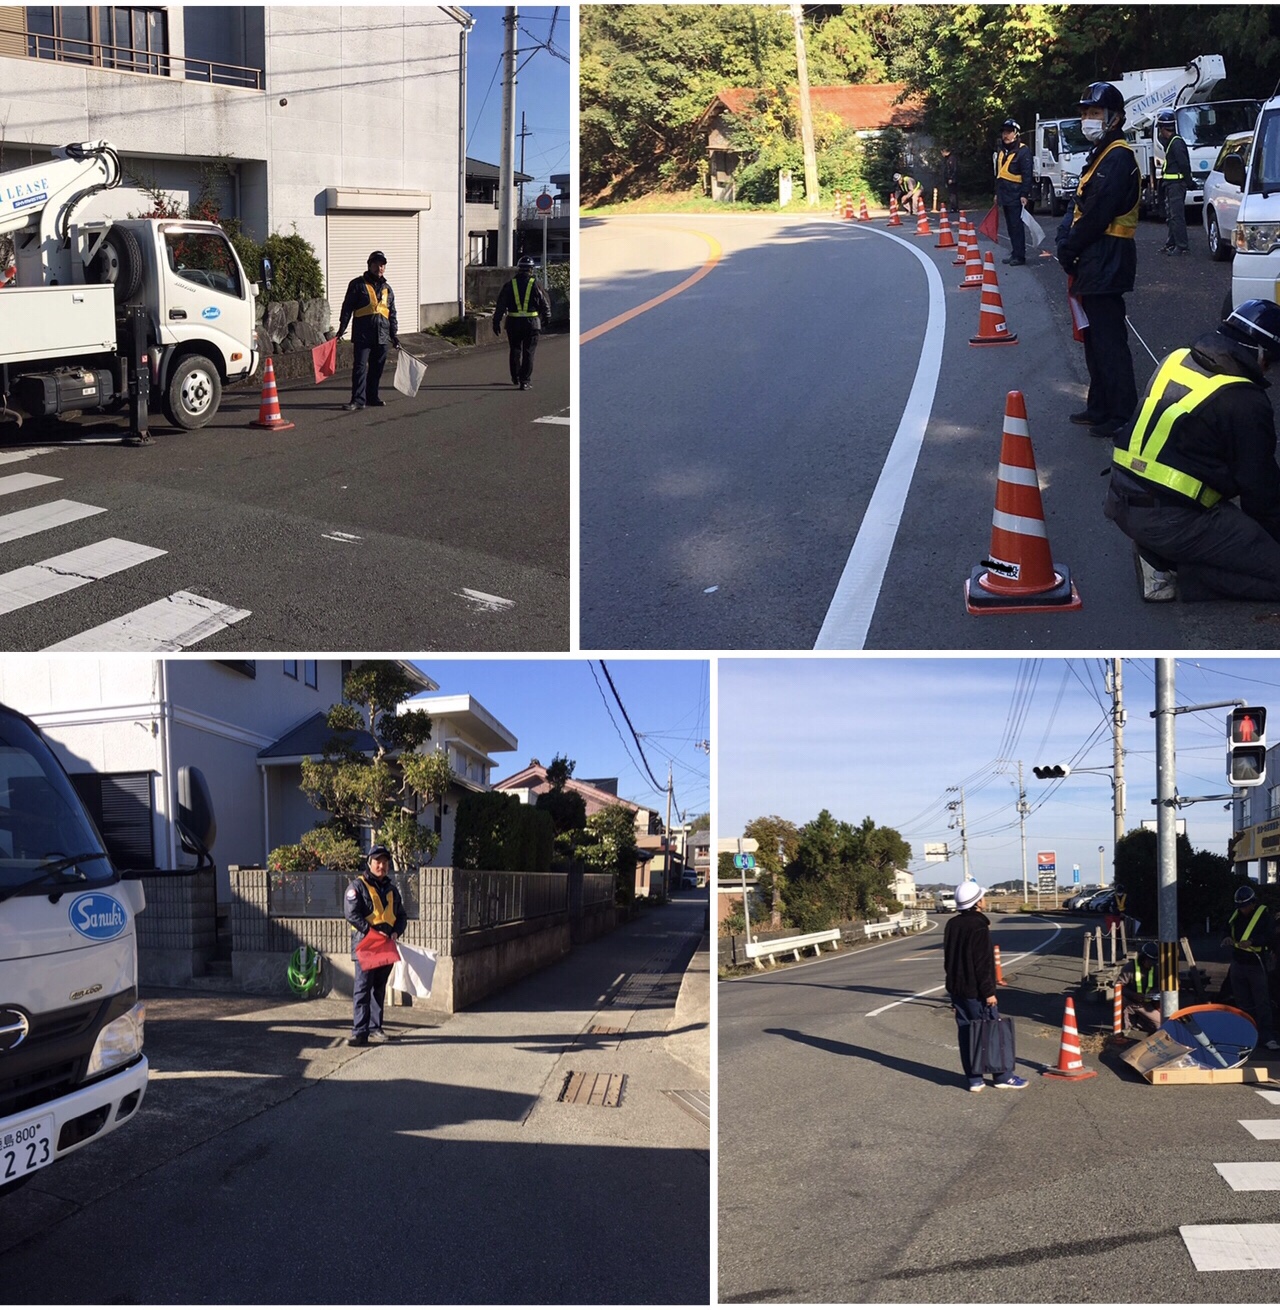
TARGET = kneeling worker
x,y
1205,434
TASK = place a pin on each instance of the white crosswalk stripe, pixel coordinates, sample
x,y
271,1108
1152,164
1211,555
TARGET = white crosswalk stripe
x,y
171,624
40,518
1233,1246
12,482
1266,1130
62,573
1273,1097
1251,1176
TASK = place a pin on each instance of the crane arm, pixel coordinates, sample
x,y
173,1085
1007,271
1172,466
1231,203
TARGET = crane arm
x,y
42,196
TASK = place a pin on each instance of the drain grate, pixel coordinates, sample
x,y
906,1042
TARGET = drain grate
x,y
603,1089
601,1031
697,1105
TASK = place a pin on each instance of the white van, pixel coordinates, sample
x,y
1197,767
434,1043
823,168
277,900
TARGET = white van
x,y
71,1024
1255,270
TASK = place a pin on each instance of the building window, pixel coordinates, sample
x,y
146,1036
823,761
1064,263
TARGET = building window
x,y
120,805
291,669
310,671
136,40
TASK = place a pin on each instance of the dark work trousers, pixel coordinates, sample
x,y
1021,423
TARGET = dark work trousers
x,y
1175,207
1218,554
966,1012
367,373
953,199
1251,992
1113,393
1017,229
522,337
370,991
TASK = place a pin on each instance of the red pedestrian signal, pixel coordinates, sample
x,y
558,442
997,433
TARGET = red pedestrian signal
x,y
1247,747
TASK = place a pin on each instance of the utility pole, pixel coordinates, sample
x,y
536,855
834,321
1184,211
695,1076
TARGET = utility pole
x,y
1117,741
506,171
806,116
667,869
1023,810
1167,836
964,840
524,132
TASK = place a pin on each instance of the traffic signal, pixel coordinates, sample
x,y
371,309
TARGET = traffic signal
x,y
1051,770
1247,747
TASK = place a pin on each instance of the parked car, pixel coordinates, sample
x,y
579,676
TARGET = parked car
x,y
1222,199
688,881
1102,902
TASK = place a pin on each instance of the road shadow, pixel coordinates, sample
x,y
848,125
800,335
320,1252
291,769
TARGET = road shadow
x,y
846,1050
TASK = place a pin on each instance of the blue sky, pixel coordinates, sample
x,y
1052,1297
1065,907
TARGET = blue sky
x,y
888,737
554,707
542,91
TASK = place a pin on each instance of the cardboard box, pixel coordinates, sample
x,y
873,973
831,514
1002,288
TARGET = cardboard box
x,y
1159,1051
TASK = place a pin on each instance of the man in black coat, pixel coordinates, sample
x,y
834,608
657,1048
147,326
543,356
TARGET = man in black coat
x,y
1177,177
1205,434
1014,170
373,904
526,309
371,303
1096,248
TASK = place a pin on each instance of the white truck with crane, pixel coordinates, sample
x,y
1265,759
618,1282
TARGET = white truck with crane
x,y
1060,148
100,314
72,1068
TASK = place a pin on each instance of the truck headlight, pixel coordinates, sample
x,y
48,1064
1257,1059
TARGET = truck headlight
x,y
119,1042
1256,238
1071,180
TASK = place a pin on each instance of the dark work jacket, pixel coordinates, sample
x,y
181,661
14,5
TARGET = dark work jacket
x,y
1260,936
1229,441
1107,264
1010,193
1178,160
507,303
372,329
357,905
950,171
968,957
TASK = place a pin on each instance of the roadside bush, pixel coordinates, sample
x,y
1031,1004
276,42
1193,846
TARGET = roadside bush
x,y
321,848
495,832
295,270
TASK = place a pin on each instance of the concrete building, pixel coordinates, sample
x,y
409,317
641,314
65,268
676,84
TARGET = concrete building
x,y
483,196
342,123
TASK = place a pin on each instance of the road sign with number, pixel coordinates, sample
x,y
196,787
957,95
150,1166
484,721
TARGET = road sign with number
x,y
744,861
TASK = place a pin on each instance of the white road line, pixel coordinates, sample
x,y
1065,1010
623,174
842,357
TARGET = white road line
x,y
24,482
14,456
1013,959
483,601
40,518
1232,1246
1251,1177
853,605
62,573
344,537
553,418
1273,1097
174,623
1265,1130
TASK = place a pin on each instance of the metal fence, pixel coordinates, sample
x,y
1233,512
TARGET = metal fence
x,y
486,900
319,895
598,888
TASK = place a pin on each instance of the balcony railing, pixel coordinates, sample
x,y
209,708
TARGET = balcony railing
x,y
127,59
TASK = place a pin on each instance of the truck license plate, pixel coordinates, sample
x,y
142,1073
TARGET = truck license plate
x,y
24,1148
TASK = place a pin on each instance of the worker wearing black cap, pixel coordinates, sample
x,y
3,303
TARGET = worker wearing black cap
x,y
371,303
1013,188
522,303
1251,936
1175,180
372,905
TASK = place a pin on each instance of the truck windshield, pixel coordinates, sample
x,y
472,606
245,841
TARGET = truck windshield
x,y
205,258
1210,125
1074,141
46,837
1265,174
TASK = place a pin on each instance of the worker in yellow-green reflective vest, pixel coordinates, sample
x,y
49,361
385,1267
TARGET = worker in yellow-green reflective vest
x,y
526,309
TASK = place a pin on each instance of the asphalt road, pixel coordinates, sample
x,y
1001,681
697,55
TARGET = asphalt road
x,y
751,415
855,1166
437,523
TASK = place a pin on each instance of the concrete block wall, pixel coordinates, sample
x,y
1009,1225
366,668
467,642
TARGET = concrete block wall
x,y
177,931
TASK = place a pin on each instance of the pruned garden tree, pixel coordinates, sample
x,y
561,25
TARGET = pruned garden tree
x,y
567,808
777,841
609,845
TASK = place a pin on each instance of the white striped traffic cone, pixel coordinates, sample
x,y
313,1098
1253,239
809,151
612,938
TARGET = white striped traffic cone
x,y
269,415
1070,1063
992,329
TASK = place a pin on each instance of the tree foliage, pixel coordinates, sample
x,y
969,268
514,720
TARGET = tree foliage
x,y
493,831
609,846
1206,883
841,872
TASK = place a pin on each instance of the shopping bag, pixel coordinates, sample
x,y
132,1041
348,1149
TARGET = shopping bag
x,y
409,374
991,1045
375,949
990,226
1035,233
324,359
414,972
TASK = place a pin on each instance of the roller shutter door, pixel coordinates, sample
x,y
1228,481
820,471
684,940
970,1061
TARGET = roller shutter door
x,y
351,236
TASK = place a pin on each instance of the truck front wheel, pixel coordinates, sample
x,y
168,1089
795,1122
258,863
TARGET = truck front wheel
x,y
194,393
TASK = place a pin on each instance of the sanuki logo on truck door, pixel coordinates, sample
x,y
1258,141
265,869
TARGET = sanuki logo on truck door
x,y
98,916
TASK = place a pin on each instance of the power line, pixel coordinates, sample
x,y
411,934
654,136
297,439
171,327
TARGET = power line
x,y
605,669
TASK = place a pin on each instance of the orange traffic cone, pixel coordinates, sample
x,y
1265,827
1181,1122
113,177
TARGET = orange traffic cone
x,y
945,240
972,263
1020,575
964,225
839,204
894,220
922,224
269,412
999,973
863,216
992,329
1070,1065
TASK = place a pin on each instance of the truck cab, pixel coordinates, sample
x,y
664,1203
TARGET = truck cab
x,y
1059,154
1255,270
71,1021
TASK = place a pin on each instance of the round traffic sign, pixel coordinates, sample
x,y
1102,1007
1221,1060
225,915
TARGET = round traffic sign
x,y
544,202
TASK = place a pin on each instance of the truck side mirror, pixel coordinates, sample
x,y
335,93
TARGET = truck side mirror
x,y
1233,170
266,273
197,825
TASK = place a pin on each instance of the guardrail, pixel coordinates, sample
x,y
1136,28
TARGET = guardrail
x,y
891,927
791,945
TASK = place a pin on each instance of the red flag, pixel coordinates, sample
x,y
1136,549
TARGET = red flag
x,y
324,359
1079,319
990,226
375,949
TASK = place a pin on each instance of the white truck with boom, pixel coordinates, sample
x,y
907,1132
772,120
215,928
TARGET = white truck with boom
x,y
71,1024
100,314
1059,152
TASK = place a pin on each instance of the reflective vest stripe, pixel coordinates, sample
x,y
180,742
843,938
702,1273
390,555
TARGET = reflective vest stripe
x,y
1159,408
522,310
1242,942
1004,164
384,911
1127,224
1173,177
1139,985
378,304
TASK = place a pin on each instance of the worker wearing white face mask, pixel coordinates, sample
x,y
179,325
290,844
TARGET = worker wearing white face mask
x,y
1096,247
